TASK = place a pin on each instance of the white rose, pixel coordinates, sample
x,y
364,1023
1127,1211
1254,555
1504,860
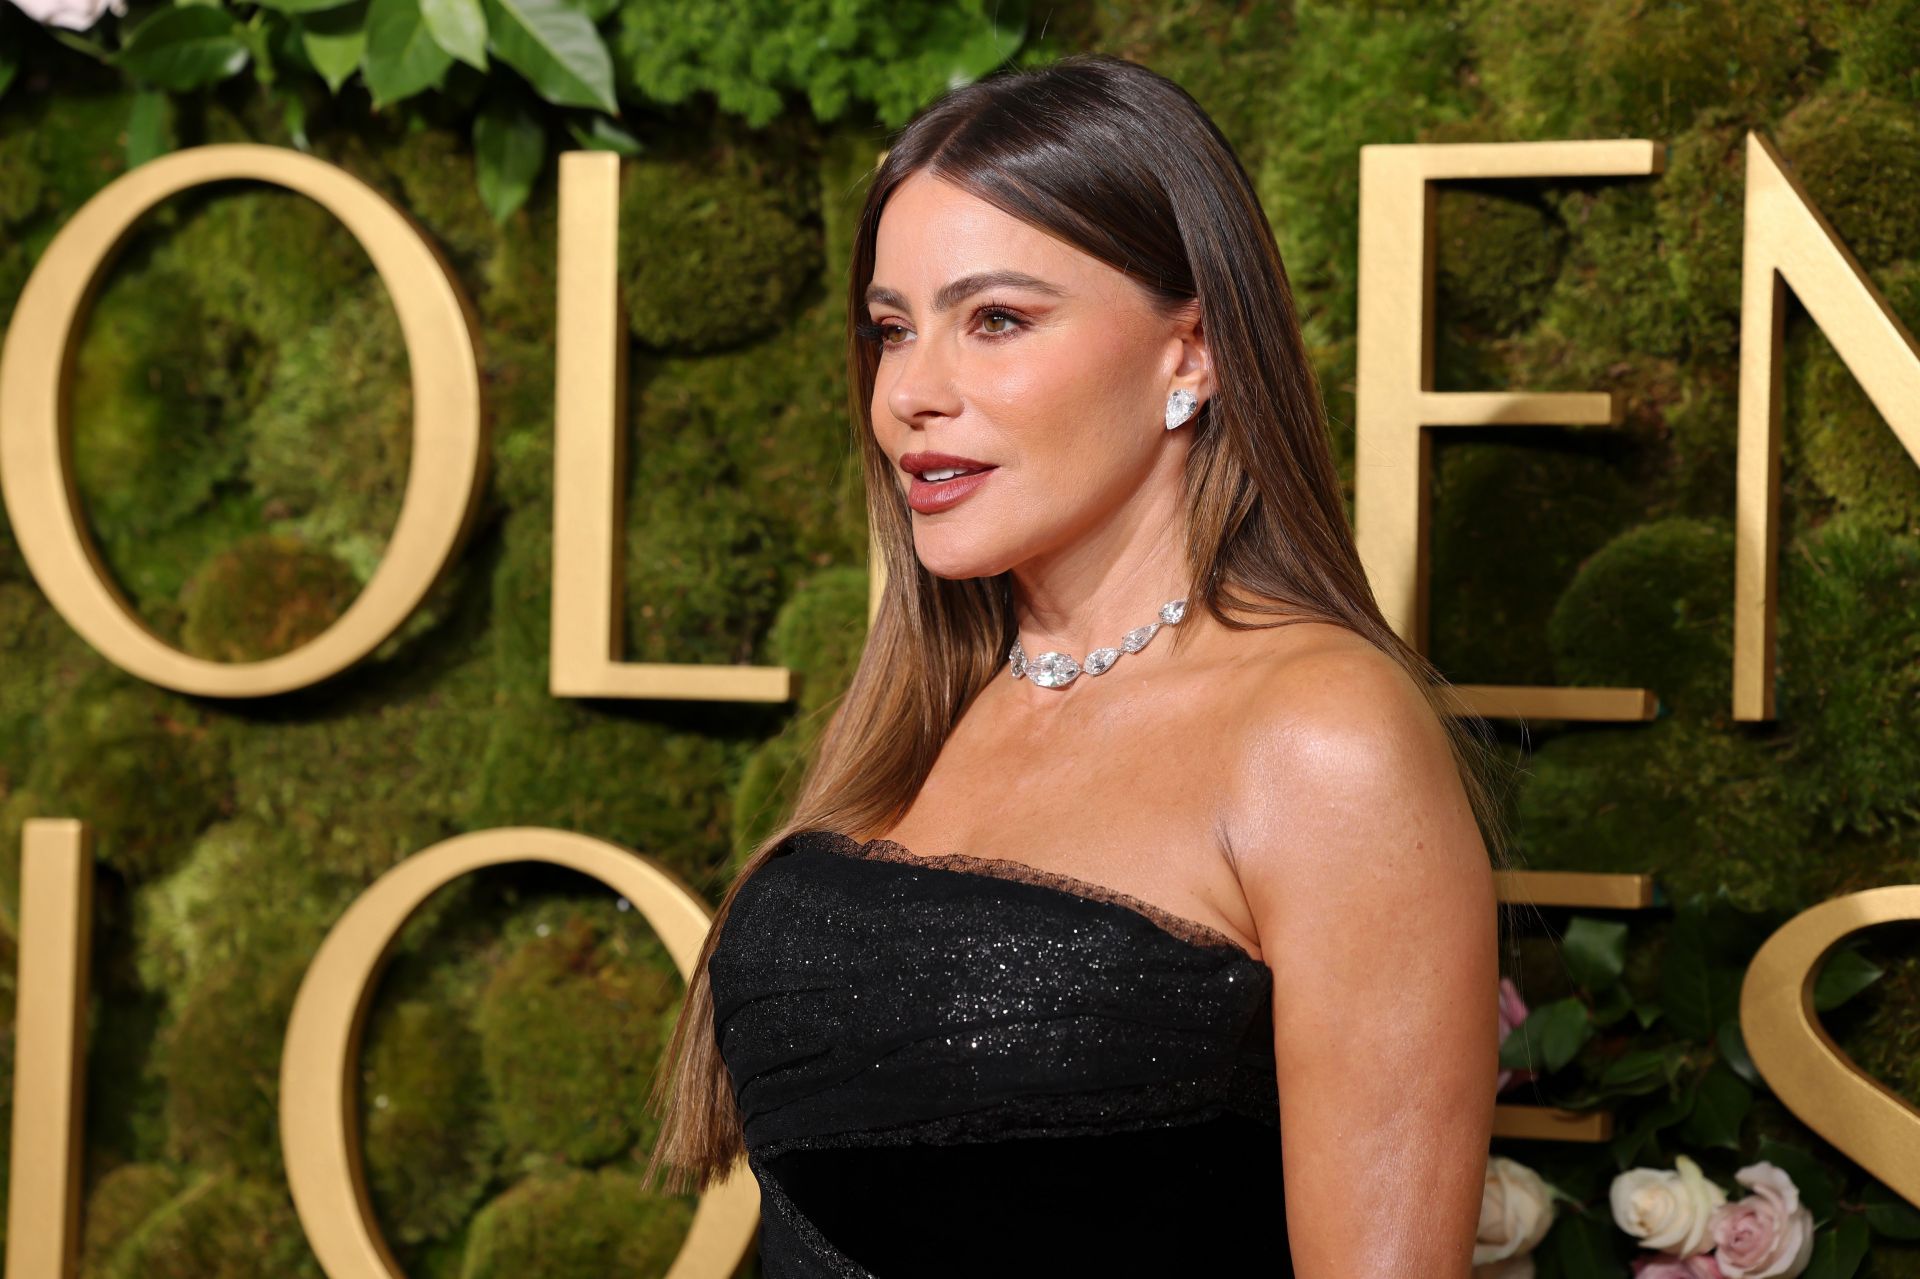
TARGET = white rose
x,y
1516,1208
74,15
1667,1210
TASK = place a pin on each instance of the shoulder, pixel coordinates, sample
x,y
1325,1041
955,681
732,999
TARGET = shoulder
x,y
1342,775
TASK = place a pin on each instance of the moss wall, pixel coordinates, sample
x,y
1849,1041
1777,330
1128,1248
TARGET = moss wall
x,y
242,414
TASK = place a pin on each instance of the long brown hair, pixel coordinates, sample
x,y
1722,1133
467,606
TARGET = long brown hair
x,y
1122,163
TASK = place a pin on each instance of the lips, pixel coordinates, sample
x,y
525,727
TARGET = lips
x,y
929,497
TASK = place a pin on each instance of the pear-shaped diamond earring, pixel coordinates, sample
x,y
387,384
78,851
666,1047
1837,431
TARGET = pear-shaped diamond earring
x,y
1180,407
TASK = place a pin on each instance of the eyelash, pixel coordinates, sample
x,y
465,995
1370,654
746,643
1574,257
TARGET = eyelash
x,y
877,333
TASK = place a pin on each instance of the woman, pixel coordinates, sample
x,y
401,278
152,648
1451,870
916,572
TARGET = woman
x,y
1072,919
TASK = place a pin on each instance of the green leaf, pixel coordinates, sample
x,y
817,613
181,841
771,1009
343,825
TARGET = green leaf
x,y
1733,1050
1585,1247
459,27
302,6
149,127
555,47
1596,951
603,133
509,146
1548,1038
1636,1072
1844,974
183,48
1627,1144
1816,1185
1611,1003
402,58
1837,1253
295,116
9,66
336,41
1889,1214
1720,1104
1696,994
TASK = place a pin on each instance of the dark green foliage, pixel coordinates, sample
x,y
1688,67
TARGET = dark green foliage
x,y
1652,609
576,1225
570,1025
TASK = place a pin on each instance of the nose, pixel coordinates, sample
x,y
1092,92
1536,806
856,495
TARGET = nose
x,y
924,384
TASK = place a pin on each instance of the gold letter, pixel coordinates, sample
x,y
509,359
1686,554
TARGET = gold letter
x,y
320,1064
56,921
1789,244
590,472
1864,1119
449,456
1395,401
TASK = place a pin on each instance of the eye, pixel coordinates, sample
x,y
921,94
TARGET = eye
x,y
876,333
998,313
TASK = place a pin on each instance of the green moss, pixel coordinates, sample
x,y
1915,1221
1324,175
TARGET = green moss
x,y
1874,44
576,1225
1849,674
754,447
570,1028
1858,156
331,444
118,1206
1613,299
429,1134
1349,79
221,1226
1836,440
1697,807
714,248
221,1060
1511,524
1616,68
1497,257
245,883
1653,609
145,768
263,597
1698,205
819,635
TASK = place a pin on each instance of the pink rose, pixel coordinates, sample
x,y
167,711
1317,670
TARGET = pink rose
x,y
74,15
1513,1011
1766,1234
1664,1265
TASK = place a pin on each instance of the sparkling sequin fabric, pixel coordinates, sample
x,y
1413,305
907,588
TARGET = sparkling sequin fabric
x,y
953,1065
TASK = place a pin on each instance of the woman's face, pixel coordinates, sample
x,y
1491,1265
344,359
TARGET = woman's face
x,y
1006,348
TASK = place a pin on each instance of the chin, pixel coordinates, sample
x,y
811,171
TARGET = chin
x,y
957,562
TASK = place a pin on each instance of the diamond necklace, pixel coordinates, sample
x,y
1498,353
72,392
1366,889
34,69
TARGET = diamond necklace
x,y
1057,670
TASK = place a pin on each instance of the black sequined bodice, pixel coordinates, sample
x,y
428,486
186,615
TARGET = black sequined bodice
x,y
953,1065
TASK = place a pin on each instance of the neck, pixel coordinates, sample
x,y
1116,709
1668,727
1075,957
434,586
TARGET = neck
x,y
1089,594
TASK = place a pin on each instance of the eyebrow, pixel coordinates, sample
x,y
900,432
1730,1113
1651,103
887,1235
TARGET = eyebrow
x,y
958,291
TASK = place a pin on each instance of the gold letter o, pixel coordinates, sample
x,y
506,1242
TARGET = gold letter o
x,y
320,1067
449,456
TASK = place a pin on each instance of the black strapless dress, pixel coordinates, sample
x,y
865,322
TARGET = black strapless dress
x,y
954,1065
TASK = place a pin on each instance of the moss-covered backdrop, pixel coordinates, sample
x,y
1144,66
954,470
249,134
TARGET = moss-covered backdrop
x,y
241,406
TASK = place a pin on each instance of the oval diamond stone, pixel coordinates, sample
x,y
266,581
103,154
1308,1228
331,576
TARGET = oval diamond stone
x,y
1018,657
1136,639
1173,611
1100,659
1051,670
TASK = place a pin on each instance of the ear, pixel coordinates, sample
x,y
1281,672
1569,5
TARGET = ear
x,y
1194,371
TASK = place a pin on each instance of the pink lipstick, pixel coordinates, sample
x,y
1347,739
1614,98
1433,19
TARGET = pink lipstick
x,y
929,496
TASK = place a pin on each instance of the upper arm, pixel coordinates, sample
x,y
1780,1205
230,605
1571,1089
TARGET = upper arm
x,y
1372,894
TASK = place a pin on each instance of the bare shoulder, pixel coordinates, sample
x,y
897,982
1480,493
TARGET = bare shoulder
x,y
1342,776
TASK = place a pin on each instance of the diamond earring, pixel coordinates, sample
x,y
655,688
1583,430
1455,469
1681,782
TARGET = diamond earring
x,y
1180,406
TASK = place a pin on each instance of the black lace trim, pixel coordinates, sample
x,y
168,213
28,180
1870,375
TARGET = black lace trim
x,y
1188,930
